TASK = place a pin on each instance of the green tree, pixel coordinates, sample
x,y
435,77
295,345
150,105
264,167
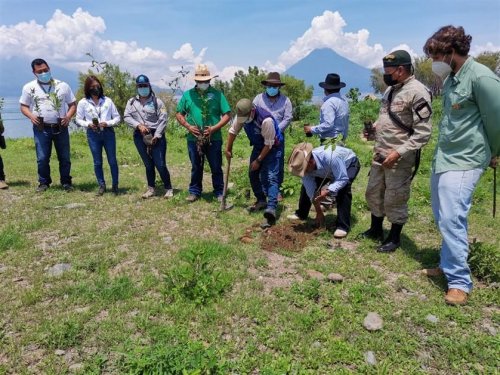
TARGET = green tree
x,y
248,85
377,81
491,60
118,85
424,73
353,94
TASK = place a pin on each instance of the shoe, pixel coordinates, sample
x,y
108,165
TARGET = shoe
x,y
192,198
294,217
220,198
270,215
372,235
3,185
68,187
149,193
257,206
432,272
455,297
114,189
101,191
388,247
339,233
169,193
41,188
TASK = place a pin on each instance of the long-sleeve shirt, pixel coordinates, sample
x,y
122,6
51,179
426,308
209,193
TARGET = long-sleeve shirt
x,y
333,118
331,165
281,108
469,132
104,111
154,117
266,130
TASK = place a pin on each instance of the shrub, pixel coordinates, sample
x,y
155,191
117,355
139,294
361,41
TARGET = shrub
x,y
484,261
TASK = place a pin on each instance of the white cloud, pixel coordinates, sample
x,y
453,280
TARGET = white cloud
x,y
327,31
490,47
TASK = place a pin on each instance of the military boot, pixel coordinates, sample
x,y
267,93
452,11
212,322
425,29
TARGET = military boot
x,y
393,240
375,232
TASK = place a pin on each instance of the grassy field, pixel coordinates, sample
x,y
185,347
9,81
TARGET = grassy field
x,y
164,287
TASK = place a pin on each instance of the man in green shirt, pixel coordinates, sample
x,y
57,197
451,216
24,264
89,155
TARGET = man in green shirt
x,y
203,111
468,141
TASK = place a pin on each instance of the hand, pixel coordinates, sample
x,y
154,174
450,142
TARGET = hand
x,y
65,121
229,154
194,130
154,140
255,165
208,131
391,159
321,196
103,124
307,129
143,129
34,119
494,162
93,126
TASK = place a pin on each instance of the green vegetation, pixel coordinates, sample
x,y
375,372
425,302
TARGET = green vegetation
x,y
164,287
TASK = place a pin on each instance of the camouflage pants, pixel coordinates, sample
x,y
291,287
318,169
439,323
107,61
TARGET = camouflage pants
x,y
388,192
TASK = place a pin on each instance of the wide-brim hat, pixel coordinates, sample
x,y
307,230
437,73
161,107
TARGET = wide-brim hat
x,y
332,82
298,160
273,78
243,110
201,73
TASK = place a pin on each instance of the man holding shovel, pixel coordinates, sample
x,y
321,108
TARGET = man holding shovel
x,y
264,135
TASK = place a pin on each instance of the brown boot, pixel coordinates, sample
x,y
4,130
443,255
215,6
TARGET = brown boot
x,y
455,297
3,185
432,272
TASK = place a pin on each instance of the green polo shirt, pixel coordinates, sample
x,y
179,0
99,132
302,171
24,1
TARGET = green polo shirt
x,y
203,109
469,132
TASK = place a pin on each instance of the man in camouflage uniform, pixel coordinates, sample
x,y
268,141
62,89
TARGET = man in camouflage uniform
x,y
402,129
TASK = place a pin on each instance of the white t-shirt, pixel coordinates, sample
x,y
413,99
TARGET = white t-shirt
x,y
36,92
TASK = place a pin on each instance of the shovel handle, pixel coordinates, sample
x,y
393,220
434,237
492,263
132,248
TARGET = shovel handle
x,y
226,181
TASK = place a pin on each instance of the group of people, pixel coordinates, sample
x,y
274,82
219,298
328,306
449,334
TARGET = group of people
x,y
468,141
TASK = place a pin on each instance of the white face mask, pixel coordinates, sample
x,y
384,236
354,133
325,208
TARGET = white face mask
x,y
202,86
441,69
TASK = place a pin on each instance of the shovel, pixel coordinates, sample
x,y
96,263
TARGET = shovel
x,y
223,205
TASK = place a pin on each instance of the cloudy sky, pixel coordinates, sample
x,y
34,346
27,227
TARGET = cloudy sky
x,y
157,37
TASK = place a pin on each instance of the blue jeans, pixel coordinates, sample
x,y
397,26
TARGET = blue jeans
x,y
43,146
451,195
156,159
213,153
264,181
281,171
97,141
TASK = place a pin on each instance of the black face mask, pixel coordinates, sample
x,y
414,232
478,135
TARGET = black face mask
x,y
389,81
94,91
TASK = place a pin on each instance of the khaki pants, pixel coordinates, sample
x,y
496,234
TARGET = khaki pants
x,y
388,192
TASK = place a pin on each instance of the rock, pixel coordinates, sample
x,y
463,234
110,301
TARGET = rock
x,y
246,239
373,322
2,268
335,277
490,329
316,344
167,240
313,274
370,358
76,367
59,352
59,269
432,318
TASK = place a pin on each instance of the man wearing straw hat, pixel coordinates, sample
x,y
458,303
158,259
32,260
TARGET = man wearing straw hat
x,y
203,111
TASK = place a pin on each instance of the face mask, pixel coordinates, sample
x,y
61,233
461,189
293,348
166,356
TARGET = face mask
x,y
143,91
272,91
44,77
389,81
202,86
95,91
441,69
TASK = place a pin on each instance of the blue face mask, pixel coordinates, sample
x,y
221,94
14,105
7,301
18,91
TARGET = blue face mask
x,y
44,77
143,91
272,91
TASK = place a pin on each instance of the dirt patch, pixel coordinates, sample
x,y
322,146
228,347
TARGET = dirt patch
x,y
279,273
291,237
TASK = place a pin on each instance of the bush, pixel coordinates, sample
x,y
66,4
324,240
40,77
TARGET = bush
x,y
484,261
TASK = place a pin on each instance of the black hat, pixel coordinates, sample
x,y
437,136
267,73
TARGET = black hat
x,y
141,79
397,58
273,78
332,82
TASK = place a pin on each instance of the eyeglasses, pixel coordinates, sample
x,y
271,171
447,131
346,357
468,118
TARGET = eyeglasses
x,y
142,85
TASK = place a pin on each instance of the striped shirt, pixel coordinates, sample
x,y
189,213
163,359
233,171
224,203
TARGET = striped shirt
x,y
331,165
333,118
281,108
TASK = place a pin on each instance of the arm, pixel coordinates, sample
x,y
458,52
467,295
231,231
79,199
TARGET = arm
x,y
69,115
327,119
181,119
128,116
487,94
234,130
269,134
162,119
80,115
115,116
287,117
222,122
25,110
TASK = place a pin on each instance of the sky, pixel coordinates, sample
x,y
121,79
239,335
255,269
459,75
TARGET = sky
x,y
158,37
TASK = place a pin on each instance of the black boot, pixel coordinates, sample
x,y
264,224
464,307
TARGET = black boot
x,y
375,232
393,240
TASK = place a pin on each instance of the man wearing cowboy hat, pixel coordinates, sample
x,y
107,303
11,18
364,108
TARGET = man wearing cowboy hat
x,y
203,111
263,133
280,106
334,113
325,173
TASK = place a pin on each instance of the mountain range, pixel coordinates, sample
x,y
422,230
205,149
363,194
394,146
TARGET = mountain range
x,y
314,67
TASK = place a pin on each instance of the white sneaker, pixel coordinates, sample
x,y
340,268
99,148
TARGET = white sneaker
x,y
339,233
169,193
293,217
3,185
149,193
